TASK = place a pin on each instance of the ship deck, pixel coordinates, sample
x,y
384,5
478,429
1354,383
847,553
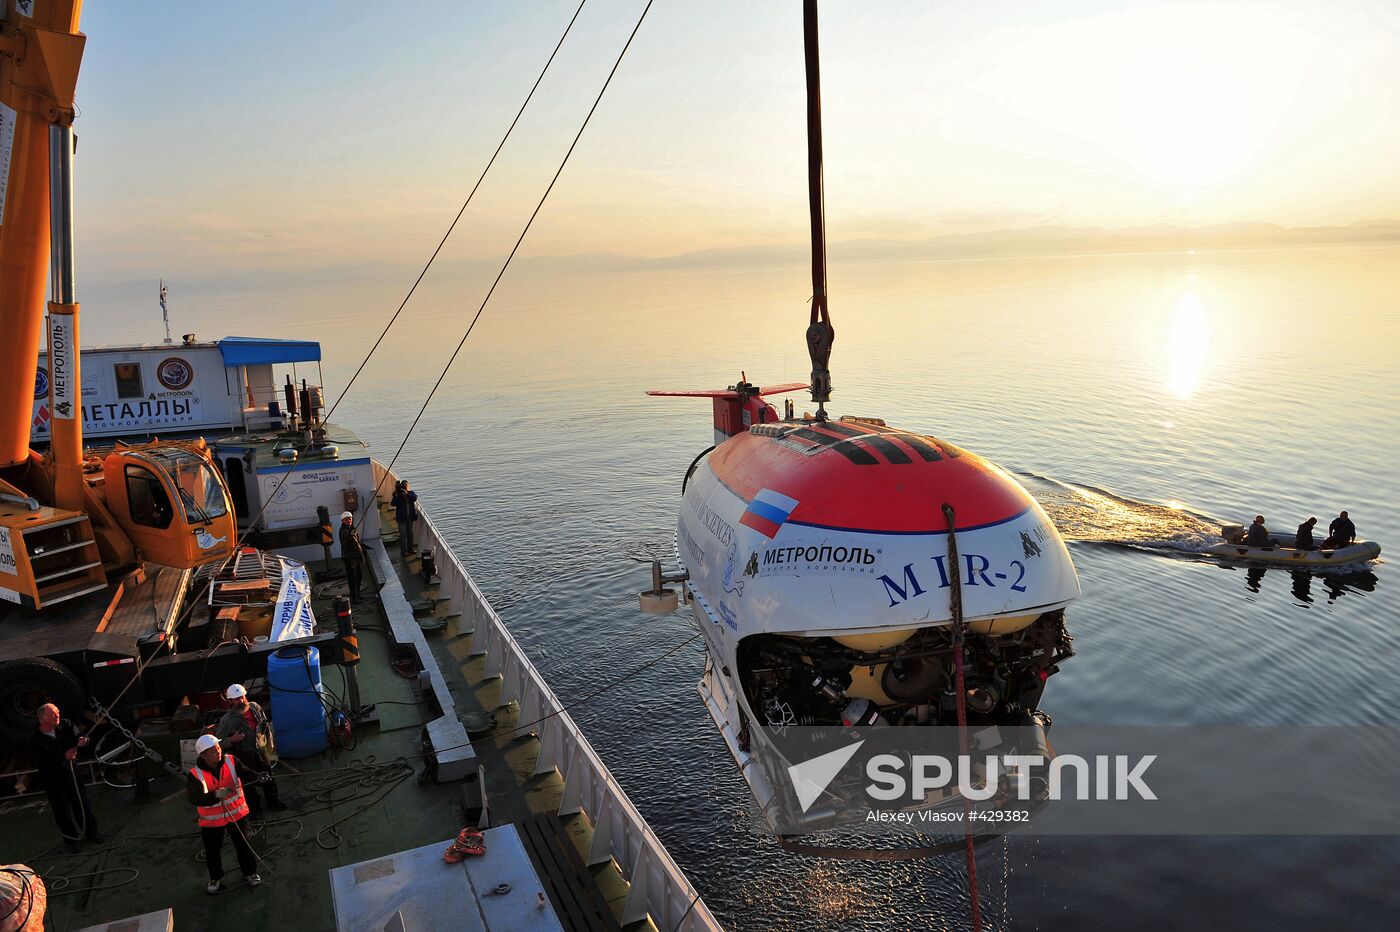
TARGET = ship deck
x,y
346,807
265,444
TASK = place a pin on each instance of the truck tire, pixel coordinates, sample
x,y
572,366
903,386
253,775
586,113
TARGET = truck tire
x,y
27,684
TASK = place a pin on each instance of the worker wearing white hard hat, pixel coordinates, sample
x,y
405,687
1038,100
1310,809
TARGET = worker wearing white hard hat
x,y
216,791
246,732
352,553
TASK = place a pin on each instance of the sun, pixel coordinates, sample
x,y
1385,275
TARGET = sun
x,y
1187,118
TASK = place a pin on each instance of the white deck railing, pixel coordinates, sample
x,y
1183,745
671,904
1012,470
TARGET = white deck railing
x,y
658,889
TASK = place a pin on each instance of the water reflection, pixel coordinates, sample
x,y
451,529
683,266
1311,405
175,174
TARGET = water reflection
x,y
1187,345
1302,586
1337,586
1301,582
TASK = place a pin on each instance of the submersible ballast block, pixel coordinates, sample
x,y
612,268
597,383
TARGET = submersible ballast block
x,y
659,603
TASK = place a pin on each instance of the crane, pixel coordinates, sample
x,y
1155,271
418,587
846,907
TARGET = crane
x,y
71,519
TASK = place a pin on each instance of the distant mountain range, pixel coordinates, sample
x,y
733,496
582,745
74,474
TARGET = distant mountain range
x,y
1020,242
1042,241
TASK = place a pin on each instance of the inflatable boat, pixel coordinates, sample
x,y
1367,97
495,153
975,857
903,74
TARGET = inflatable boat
x,y
1284,554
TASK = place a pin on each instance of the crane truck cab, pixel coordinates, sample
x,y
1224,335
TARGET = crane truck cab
x,y
171,502
162,503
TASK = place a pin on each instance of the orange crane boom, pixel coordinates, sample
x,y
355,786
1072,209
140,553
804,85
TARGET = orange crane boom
x,y
70,518
40,53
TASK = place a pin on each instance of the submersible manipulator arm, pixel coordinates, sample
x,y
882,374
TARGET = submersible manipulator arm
x,y
820,334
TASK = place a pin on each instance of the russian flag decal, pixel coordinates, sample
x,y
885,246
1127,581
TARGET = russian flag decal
x,y
767,512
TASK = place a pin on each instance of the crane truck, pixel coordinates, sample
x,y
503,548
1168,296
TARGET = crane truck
x,y
102,551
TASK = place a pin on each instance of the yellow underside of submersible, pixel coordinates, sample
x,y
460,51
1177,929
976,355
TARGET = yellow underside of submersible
x,y
884,640
867,682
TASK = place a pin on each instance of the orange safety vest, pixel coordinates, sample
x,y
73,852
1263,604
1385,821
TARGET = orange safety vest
x,y
223,811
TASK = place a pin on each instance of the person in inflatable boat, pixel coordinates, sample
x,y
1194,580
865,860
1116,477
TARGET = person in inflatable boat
x,y
1258,535
1303,540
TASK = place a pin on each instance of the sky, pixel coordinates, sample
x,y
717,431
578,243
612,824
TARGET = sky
x,y
229,138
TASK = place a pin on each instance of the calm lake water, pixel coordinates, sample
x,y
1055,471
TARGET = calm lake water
x,y
1142,398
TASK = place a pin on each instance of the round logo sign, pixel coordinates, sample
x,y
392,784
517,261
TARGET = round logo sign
x,y
175,373
41,383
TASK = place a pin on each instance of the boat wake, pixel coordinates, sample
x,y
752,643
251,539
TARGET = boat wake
x,y
1089,515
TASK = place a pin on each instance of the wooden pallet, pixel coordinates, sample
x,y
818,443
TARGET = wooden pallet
x,y
575,896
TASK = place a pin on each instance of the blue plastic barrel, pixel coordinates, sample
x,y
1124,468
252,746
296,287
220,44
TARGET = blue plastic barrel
x,y
298,715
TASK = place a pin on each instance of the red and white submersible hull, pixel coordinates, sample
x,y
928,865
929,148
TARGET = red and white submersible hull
x,y
818,565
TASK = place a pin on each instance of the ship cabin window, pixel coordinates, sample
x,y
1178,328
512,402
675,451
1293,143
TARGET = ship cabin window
x,y
129,380
237,485
146,498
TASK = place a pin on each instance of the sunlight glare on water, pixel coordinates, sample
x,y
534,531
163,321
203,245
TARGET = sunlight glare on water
x,y
1188,345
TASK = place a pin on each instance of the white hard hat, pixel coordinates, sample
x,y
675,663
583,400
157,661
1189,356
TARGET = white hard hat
x,y
204,743
236,691
347,514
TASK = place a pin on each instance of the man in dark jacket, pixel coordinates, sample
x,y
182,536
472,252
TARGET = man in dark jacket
x,y
352,552
1341,532
1258,535
246,733
405,504
1303,540
54,747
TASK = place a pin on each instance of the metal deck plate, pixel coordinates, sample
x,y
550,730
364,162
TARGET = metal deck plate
x,y
160,921
418,890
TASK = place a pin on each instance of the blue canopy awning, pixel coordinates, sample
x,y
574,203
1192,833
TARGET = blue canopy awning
x,y
254,351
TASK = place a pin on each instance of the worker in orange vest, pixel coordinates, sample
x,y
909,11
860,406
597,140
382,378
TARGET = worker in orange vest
x,y
212,785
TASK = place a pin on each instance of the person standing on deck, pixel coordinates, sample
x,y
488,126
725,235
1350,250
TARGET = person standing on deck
x,y
246,733
54,747
352,551
1341,532
405,504
1303,540
212,785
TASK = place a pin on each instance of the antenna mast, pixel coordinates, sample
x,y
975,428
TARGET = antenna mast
x,y
165,312
820,333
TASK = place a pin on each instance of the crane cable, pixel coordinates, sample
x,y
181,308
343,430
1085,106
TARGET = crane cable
x,y
345,391
820,334
959,629
452,226
388,470
431,259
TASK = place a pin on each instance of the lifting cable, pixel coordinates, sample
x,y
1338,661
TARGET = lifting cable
x,y
959,630
388,470
429,264
461,343
364,362
452,226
